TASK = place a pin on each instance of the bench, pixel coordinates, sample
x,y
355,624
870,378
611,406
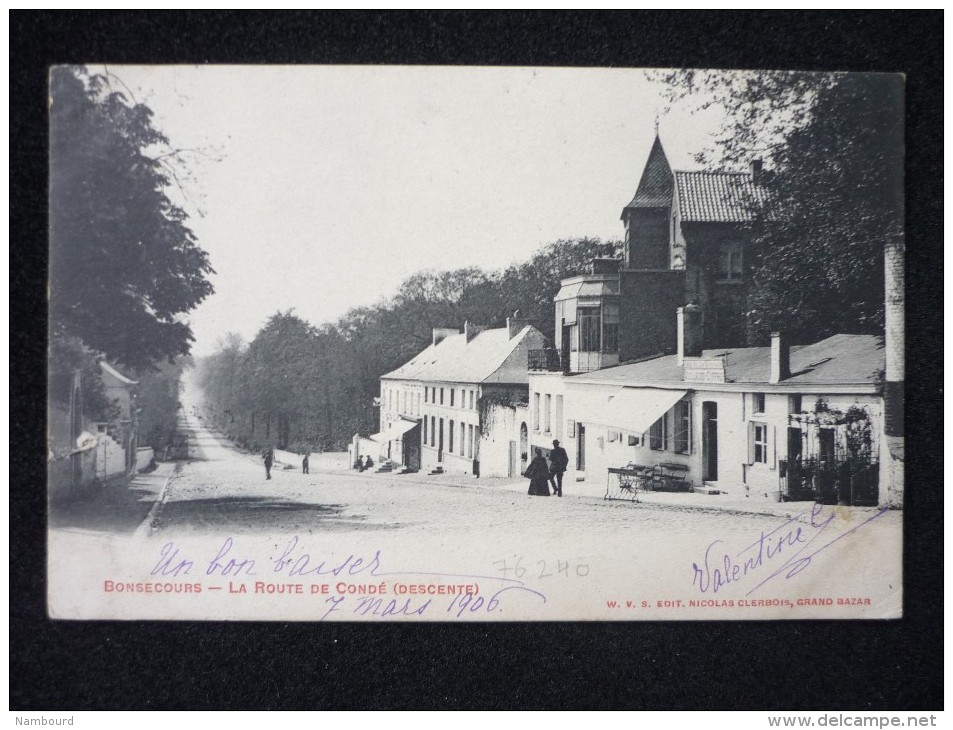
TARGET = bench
x,y
670,477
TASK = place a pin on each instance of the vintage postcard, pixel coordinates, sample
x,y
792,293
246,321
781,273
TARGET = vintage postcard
x,y
447,344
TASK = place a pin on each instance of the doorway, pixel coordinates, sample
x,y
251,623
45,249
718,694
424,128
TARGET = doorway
x,y
581,448
524,447
440,440
710,441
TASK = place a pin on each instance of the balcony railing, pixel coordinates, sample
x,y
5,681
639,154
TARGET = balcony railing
x,y
544,359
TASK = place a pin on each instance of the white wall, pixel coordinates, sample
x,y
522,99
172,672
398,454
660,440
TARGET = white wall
x,y
144,457
458,460
609,447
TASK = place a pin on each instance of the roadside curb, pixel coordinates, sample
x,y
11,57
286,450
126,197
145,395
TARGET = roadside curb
x,y
145,528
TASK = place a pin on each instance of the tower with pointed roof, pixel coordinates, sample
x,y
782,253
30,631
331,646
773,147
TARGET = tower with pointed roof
x,y
687,240
646,217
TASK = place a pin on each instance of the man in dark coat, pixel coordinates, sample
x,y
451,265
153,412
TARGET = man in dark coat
x,y
269,458
304,464
558,461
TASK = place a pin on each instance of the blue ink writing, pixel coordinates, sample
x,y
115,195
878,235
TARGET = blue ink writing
x,y
170,563
219,566
295,562
779,550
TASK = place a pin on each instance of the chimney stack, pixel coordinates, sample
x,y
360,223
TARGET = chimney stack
x,y
515,325
441,333
780,358
757,166
472,330
691,332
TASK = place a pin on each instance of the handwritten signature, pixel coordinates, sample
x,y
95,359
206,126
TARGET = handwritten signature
x,y
784,551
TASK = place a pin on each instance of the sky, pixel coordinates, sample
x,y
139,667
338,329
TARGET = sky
x,y
322,188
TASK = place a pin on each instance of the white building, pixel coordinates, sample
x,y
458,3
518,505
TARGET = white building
x,y
753,421
459,405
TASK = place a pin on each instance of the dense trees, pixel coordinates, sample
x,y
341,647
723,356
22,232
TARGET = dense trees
x,y
124,265
833,146
301,387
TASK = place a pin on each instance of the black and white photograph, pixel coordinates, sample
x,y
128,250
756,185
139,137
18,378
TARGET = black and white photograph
x,y
474,344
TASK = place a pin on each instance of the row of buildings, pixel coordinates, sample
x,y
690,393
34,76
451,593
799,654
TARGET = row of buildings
x,y
646,369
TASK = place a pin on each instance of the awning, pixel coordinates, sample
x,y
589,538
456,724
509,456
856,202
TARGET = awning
x,y
630,409
398,429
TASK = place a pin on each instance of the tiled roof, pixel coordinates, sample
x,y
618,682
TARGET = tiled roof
x,y
838,360
717,197
454,360
655,186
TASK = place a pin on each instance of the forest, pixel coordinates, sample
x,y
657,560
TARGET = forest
x,y
306,387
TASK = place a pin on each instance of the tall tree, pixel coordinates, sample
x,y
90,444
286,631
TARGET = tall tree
x,y
833,144
124,265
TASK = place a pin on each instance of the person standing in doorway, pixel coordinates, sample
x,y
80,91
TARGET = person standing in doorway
x,y
558,461
304,464
268,456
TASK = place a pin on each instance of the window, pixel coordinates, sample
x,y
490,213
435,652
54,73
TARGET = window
x,y
826,440
536,411
610,329
589,329
683,428
463,437
452,391
470,441
471,400
731,266
426,394
433,430
425,431
450,445
658,434
758,402
760,442
794,403
558,417
548,413
441,396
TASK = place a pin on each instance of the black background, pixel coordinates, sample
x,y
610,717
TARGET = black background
x,y
213,665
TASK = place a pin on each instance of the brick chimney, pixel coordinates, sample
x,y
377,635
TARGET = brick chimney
x,y
472,330
780,357
441,333
757,168
691,332
515,325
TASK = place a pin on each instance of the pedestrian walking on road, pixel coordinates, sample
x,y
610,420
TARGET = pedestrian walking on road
x,y
304,464
558,462
269,458
538,474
